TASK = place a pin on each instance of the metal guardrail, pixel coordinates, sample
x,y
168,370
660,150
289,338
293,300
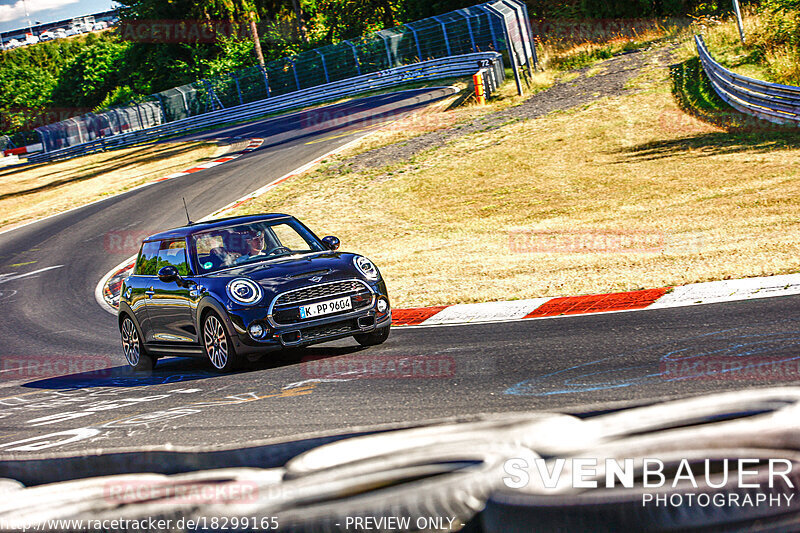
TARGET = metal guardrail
x,y
769,101
427,70
495,26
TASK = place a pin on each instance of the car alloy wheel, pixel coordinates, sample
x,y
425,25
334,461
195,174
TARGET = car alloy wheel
x,y
135,353
130,342
216,342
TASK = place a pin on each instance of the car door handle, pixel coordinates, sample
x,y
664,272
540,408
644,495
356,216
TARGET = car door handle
x,y
150,292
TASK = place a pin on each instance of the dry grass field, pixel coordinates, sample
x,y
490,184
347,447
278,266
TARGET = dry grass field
x,y
623,193
29,193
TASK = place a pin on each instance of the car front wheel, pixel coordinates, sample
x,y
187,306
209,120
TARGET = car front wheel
x,y
132,346
217,344
373,338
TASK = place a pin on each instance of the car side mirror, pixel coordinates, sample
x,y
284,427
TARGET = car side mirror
x,y
168,274
331,242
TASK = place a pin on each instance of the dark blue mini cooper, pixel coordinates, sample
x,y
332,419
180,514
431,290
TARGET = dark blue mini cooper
x,y
239,287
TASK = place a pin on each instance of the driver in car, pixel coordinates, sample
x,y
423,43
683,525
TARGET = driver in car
x,y
255,246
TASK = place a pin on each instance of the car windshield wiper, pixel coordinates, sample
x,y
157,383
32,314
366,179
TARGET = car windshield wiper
x,y
265,257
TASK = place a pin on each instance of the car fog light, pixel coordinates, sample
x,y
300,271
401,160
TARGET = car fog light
x,y
383,305
256,330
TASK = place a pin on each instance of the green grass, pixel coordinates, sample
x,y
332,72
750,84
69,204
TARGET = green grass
x,y
695,95
766,54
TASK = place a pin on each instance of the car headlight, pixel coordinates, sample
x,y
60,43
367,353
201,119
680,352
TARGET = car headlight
x,y
366,267
244,291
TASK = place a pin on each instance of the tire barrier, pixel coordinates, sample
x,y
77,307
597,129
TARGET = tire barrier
x,y
8,485
439,481
457,470
546,433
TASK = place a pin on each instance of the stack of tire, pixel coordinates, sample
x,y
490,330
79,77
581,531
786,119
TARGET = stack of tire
x,y
458,472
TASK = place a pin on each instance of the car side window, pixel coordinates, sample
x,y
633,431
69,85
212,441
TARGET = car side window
x,y
147,263
174,253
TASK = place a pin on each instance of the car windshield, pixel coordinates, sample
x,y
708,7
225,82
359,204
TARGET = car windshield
x,y
240,244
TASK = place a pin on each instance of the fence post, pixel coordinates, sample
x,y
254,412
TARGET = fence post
x,y
491,28
324,66
523,32
238,88
416,40
164,111
212,96
119,120
263,71
139,114
469,28
294,71
444,33
509,46
530,36
80,133
43,134
355,56
739,19
388,52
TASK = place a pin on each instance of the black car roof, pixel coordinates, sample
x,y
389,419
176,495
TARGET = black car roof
x,y
185,231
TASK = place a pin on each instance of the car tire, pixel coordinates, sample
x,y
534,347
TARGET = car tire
x,y
133,348
373,338
217,344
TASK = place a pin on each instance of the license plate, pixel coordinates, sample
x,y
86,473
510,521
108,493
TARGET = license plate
x,y
326,308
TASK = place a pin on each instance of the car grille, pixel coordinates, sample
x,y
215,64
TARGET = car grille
x,y
329,330
314,292
286,310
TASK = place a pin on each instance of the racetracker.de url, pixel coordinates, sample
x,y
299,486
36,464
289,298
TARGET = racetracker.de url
x,y
217,523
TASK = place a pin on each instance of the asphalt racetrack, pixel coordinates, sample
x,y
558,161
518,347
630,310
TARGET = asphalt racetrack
x,y
49,319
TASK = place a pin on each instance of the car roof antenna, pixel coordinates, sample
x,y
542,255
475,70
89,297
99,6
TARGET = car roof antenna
x,y
187,211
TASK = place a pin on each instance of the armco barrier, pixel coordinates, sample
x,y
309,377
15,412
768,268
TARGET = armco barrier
x,y
768,101
496,26
427,70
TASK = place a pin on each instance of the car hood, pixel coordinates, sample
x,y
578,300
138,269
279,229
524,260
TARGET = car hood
x,y
293,272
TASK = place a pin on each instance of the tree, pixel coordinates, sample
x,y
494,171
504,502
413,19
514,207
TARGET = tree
x,y
24,92
347,19
91,75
